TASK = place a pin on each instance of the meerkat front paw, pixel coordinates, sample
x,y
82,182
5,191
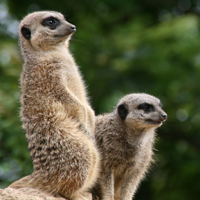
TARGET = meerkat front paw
x,y
87,195
83,128
83,196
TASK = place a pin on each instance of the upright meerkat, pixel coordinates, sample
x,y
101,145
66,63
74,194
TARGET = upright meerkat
x,y
55,112
125,140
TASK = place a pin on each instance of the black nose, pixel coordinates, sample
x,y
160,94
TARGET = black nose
x,y
164,116
73,28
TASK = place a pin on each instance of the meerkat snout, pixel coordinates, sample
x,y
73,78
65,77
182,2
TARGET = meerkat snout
x,y
164,116
73,28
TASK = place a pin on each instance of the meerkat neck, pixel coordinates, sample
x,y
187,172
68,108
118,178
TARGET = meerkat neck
x,y
59,54
140,137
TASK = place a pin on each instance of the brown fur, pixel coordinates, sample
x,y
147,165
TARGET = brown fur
x,y
125,139
55,112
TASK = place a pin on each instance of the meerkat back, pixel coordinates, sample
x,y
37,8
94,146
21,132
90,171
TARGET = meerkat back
x,y
55,112
125,140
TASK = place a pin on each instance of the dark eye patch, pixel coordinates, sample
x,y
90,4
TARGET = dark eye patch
x,y
146,107
51,22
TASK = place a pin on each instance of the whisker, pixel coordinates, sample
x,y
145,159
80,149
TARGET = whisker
x,y
78,40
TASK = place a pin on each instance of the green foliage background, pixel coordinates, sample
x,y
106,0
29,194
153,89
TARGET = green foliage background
x,y
122,47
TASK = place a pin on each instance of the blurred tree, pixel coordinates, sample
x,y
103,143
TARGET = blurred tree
x,y
121,47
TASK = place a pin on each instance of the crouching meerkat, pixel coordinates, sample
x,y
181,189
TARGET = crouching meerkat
x,y
125,140
55,112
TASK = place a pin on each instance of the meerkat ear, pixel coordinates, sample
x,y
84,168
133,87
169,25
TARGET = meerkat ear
x,y
26,32
122,111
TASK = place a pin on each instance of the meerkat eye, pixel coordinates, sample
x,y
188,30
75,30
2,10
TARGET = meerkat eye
x,y
146,107
51,22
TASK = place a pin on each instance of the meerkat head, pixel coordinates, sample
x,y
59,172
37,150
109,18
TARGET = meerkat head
x,y
141,111
45,29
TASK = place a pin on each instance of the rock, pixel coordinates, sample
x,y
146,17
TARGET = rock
x,y
26,194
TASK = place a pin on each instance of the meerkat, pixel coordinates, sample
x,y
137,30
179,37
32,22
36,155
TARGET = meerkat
x,y
55,111
125,140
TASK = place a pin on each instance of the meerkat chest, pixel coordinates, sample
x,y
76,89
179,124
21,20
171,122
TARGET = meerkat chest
x,y
143,148
121,156
130,157
73,81
143,156
137,161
